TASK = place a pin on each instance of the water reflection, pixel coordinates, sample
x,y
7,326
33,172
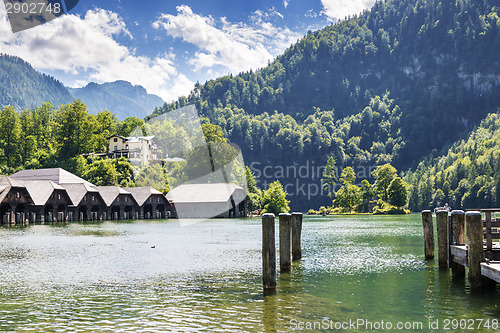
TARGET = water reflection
x,y
207,276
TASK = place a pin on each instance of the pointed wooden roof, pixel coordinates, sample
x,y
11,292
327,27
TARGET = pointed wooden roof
x,y
110,193
57,175
40,190
77,192
6,184
141,194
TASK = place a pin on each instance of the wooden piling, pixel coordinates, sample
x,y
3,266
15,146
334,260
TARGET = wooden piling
x,y
268,252
285,221
489,239
475,246
442,231
457,238
428,234
296,236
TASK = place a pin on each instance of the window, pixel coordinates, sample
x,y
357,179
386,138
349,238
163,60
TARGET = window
x,y
126,146
116,148
18,195
115,140
58,197
93,198
126,199
123,141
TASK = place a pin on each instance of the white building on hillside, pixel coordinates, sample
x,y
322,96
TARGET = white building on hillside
x,y
138,150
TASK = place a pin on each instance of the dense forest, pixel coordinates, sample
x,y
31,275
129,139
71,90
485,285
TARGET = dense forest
x,y
468,176
366,90
47,136
24,87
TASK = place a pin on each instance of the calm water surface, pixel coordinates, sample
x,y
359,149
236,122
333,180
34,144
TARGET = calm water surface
x,y
161,276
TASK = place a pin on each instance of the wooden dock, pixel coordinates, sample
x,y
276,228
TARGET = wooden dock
x,y
481,253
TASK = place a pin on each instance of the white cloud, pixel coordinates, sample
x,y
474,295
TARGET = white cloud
x,y
86,47
285,3
236,46
339,9
311,13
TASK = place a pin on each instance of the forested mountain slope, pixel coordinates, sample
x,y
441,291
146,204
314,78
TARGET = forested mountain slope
x,y
467,176
24,87
437,59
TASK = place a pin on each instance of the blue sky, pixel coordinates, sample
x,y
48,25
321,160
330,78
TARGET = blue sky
x,y
167,46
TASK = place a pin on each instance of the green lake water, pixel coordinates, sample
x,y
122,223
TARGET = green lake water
x,y
171,276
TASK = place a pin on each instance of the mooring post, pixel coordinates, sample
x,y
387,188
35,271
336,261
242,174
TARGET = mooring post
x,y
268,252
442,230
475,244
489,239
285,221
428,234
457,238
296,236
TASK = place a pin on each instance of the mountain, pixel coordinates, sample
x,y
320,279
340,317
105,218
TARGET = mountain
x,y
24,87
466,176
434,63
119,97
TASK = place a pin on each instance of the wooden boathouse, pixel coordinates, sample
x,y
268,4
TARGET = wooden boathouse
x,y
14,200
120,203
56,195
87,202
152,203
209,200
51,202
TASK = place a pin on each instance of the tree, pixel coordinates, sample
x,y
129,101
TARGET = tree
x,y
330,176
254,193
102,173
213,133
349,195
384,174
367,192
398,192
132,125
251,182
10,132
274,199
104,125
74,129
348,176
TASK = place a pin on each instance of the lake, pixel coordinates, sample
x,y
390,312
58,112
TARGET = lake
x,y
158,276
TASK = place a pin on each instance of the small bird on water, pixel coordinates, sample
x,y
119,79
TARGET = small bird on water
x,y
154,246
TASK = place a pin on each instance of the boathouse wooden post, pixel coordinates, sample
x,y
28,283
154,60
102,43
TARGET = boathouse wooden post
x,y
489,239
285,221
296,236
457,238
268,252
442,231
475,245
428,234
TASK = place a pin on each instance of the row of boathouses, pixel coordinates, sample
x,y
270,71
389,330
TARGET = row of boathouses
x,y
56,195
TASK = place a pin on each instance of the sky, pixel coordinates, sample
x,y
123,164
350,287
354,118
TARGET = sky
x,y
168,46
